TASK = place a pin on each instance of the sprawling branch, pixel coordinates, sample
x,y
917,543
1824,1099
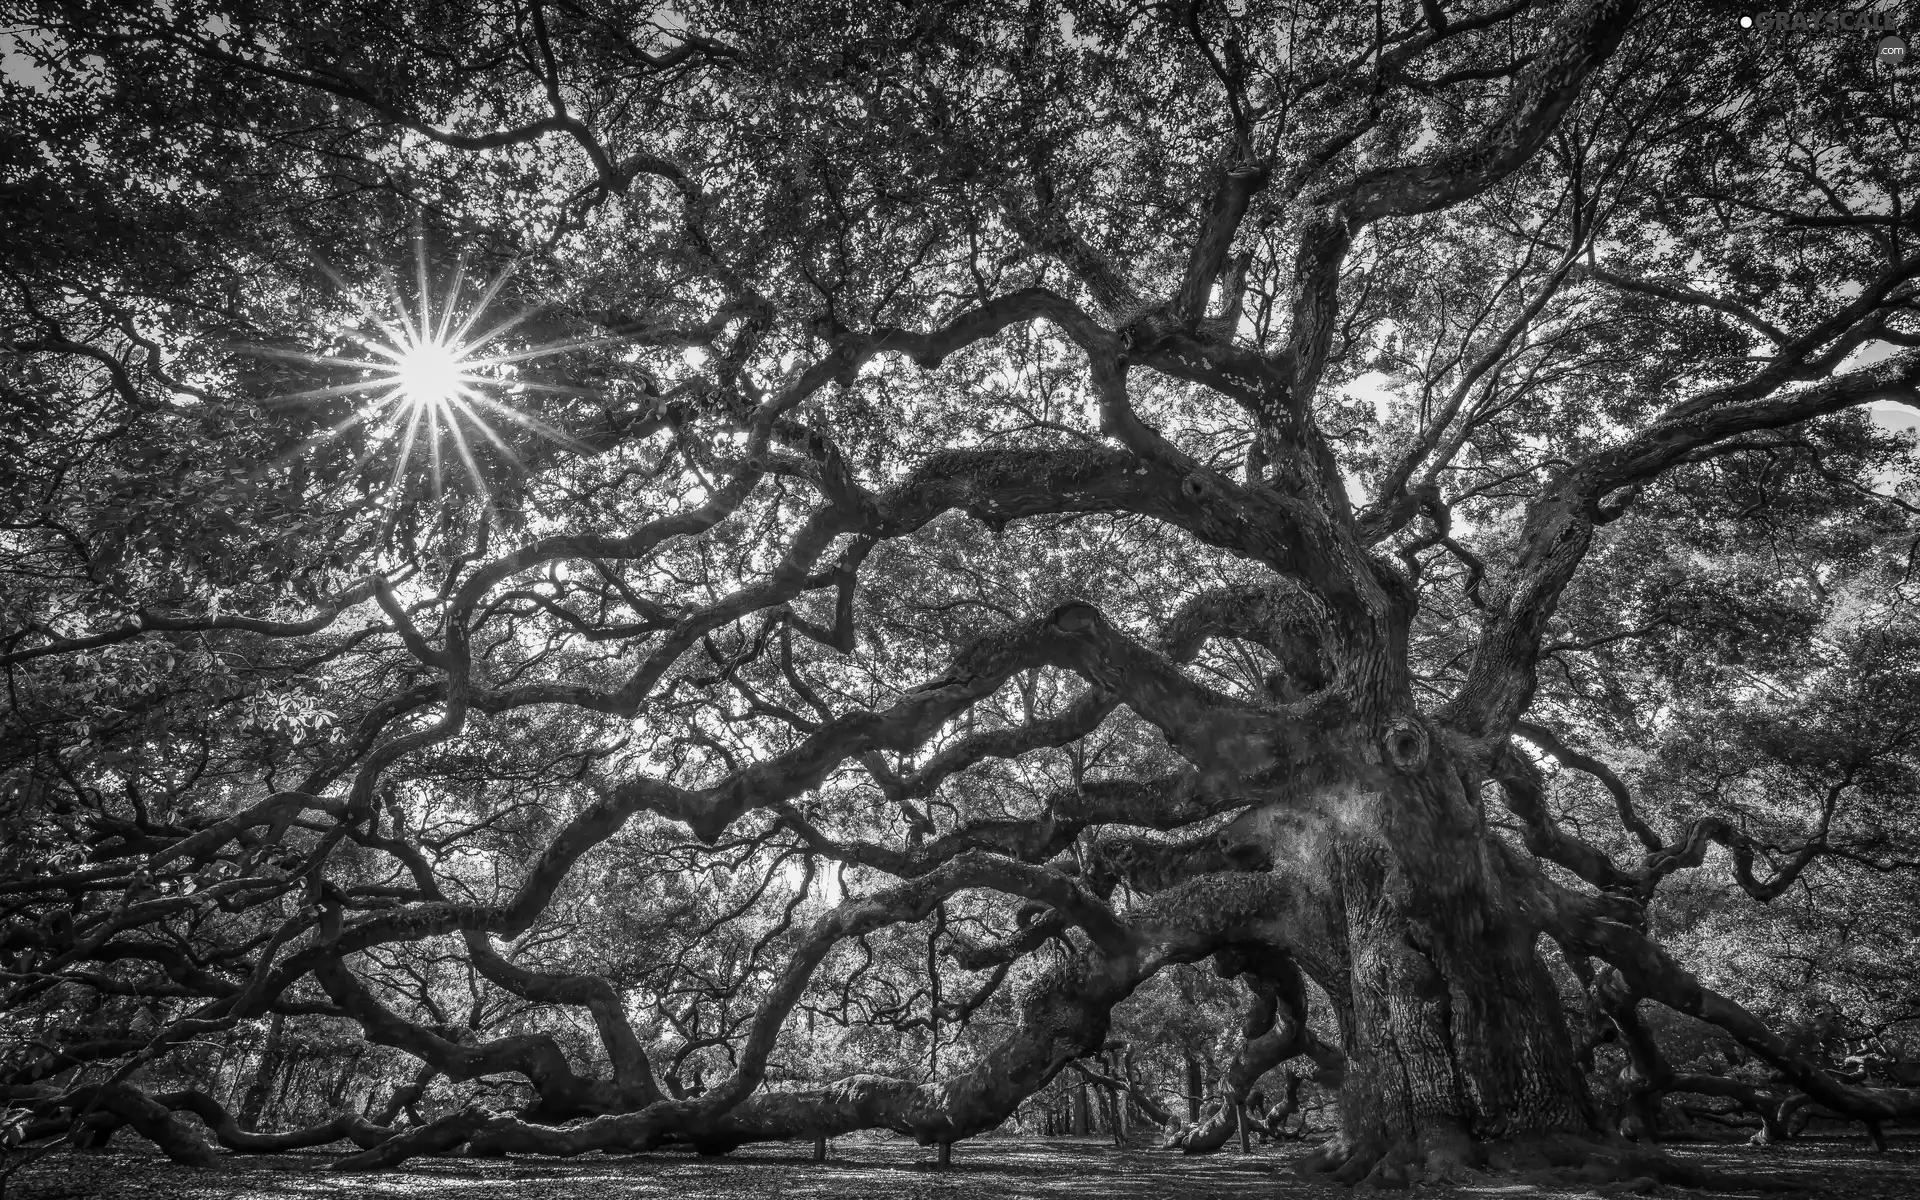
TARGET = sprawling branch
x,y
1651,972
1560,522
1583,34
1630,818
149,622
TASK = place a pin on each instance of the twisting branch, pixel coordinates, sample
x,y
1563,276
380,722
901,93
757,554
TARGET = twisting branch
x,y
1544,738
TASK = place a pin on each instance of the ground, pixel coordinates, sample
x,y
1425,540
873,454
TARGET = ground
x,y
983,1169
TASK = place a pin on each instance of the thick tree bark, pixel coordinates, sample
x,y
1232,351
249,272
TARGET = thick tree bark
x,y
1274,1031
1276,1117
264,1074
101,1109
1196,1088
1111,1111
1454,1037
226,1130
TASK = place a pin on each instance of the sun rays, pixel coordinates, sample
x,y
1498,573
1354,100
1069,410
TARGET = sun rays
x,y
431,379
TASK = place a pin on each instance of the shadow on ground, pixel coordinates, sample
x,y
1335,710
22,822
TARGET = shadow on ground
x,y
983,1169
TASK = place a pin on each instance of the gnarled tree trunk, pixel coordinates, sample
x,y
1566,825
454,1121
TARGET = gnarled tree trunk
x,y
1458,1053
254,1104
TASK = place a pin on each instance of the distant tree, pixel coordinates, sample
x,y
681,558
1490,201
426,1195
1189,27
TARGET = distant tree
x,y
731,571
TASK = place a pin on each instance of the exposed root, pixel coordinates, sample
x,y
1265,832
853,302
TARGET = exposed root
x,y
93,1114
97,1111
1210,1132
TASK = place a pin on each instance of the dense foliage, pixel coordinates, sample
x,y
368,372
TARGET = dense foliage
x,y
985,548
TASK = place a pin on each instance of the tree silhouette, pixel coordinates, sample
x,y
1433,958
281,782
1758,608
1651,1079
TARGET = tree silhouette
x,y
659,561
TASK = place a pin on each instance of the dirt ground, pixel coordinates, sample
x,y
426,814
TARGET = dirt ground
x,y
983,1169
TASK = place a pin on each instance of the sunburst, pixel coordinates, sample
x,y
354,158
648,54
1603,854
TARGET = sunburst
x,y
432,376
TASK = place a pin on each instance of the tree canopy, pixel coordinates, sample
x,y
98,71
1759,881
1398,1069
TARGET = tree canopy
x,y
719,572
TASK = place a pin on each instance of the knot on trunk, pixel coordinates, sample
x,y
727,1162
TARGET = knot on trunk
x,y
1075,616
1405,744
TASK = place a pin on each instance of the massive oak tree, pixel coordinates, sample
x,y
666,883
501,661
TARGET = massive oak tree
x,y
1127,485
